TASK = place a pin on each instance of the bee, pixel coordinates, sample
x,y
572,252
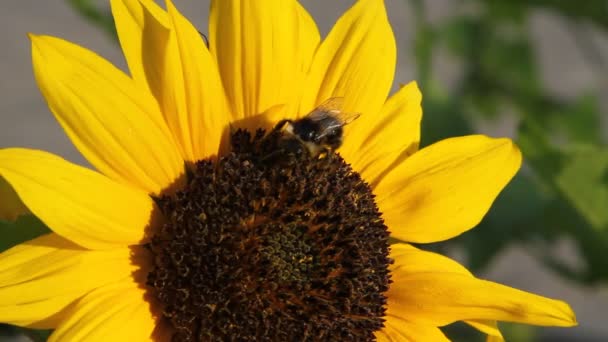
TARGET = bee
x,y
320,131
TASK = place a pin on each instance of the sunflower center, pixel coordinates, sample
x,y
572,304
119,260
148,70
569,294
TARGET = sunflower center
x,y
270,245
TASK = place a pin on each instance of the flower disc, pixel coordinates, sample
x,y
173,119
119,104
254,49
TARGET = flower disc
x,y
267,245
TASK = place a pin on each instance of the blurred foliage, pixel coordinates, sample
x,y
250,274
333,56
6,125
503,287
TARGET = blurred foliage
x,y
461,332
99,16
562,190
25,228
10,333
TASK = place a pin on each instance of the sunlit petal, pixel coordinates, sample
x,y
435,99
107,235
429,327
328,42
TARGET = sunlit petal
x,y
116,125
264,49
39,278
445,189
77,203
114,312
357,61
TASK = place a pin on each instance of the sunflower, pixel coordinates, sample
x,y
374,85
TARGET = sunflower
x,y
202,223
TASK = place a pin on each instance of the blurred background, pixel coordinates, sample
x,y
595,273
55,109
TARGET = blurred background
x,y
533,70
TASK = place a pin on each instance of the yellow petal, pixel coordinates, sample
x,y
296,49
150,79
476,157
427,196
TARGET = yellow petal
x,y
356,60
10,204
142,32
178,68
39,278
264,49
409,259
114,312
443,298
377,141
77,203
489,328
432,289
445,189
491,338
400,330
192,97
266,120
115,125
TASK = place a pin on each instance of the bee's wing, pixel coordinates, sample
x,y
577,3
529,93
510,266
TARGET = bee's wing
x,y
347,117
329,116
332,107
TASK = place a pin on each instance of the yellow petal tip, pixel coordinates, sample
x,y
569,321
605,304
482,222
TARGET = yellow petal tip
x,y
510,145
40,41
35,39
569,316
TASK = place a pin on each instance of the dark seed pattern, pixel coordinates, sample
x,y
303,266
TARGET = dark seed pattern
x,y
267,245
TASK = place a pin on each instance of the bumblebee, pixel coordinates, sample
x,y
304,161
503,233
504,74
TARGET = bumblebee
x,y
320,131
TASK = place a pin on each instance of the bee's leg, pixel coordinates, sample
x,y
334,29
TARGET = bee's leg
x,y
271,155
279,152
286,149
269,141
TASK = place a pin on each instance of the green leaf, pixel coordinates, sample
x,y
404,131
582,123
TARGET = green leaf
x,y
37,335
98,17
12,233
559,217
442,119
545,159
590,10
457,34
507,11
14,333
580,121
25,228
508,221
509,60
578,174
576,180
584,183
